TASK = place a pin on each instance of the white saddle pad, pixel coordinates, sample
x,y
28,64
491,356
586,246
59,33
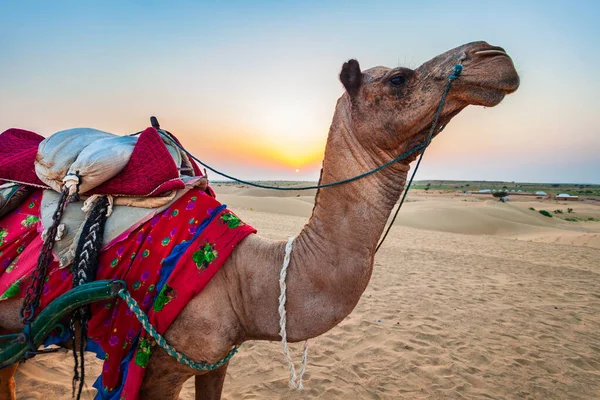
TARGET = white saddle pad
x,y
123,218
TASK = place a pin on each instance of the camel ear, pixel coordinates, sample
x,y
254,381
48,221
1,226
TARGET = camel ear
x,y
351,77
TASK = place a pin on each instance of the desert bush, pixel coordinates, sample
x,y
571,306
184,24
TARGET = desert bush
x,y
571,219
545,213
569,210
558,212
532,209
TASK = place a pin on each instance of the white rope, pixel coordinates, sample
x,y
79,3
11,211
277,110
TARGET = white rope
x,y
295,381
89,203
71,182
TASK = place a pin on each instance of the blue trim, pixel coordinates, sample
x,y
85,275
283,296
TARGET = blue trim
x,y
115,394
61,337
177,252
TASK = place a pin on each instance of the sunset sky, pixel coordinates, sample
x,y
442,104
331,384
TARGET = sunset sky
x,y
250,87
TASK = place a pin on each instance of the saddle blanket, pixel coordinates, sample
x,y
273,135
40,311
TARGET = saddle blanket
x,y
166,261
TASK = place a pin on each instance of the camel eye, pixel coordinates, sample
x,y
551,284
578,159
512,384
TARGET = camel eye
x,y
398,81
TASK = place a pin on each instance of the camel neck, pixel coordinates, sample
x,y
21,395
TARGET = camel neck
x,y
352,217
335,250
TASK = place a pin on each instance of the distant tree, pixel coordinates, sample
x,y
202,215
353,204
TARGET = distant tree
x,y
504,187
500,195
429,184
427,188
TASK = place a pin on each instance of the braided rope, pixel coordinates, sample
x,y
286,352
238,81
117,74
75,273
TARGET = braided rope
x,y
34,290
84,269
295,380
160,340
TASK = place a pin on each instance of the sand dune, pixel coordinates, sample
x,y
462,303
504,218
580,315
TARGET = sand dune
x,y
468,300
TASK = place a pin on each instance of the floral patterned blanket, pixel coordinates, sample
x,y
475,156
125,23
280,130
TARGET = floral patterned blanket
x,y
166,262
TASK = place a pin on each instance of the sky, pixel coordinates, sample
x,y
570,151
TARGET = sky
x,y
250,87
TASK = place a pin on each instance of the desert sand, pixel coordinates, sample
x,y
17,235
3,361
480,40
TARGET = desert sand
x,y
470,299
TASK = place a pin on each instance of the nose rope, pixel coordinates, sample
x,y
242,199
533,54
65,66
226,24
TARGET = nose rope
x,y
458,68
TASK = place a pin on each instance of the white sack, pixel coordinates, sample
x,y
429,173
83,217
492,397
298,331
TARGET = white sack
x,y
96,155
102,160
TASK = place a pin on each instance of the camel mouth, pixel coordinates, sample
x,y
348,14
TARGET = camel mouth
x,y
493,76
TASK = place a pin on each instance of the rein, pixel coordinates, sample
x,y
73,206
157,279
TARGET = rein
x,y
422,146
457,71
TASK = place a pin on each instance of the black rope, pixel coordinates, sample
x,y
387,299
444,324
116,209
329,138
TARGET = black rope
x,y
33,293
84,269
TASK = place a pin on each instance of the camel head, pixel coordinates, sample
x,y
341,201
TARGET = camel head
x,y
391,109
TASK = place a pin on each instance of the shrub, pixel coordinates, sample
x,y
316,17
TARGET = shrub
x,y
571,219
569,210
545,213
558,212
532,209
500,194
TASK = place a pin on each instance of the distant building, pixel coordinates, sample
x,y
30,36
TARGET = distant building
x,y
485,191
540,193
566,196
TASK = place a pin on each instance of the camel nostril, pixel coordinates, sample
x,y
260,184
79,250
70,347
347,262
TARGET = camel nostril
x,y
489,51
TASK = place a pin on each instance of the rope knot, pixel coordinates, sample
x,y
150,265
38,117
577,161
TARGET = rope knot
x,y
457,71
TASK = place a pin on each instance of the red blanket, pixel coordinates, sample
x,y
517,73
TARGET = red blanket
x,y
149,172
166,262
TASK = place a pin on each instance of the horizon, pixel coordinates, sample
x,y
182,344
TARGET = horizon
x,y
417,181
250,88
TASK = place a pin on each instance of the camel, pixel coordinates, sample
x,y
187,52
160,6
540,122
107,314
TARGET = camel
x,y
383,112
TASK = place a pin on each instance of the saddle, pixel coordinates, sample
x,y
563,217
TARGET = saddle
x,y
102,163
93,162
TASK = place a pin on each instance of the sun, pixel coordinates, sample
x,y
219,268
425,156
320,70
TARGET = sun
x,y
297,170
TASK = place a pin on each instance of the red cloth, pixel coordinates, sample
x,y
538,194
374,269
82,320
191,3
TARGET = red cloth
x,y
166,262
150,171
18,149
